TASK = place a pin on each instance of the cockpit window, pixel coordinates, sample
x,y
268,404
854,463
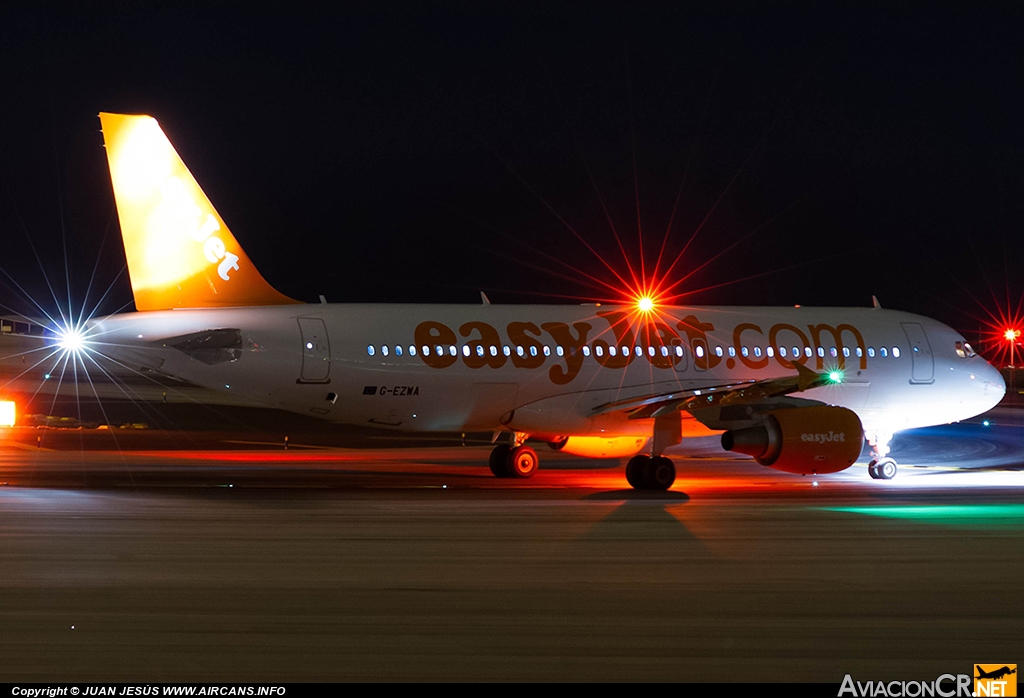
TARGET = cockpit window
x,y
964,350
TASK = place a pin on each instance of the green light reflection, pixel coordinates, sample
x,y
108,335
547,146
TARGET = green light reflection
x,y
964,515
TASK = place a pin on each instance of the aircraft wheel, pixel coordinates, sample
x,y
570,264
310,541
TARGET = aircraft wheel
x,y
523,462
873,470
635,471
886,469
659,474
501,461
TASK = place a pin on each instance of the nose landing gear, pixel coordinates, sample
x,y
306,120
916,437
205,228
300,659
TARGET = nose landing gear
x,y
881,466
882,469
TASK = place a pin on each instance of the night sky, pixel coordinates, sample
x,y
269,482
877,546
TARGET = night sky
x,y
422,152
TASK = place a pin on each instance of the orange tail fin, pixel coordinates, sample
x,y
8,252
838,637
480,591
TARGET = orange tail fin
x,y
180,253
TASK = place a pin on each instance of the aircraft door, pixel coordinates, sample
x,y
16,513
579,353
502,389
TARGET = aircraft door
x,y
316,351
922,361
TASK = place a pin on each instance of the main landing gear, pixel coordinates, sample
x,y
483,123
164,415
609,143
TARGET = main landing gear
x,y
515,459
645,472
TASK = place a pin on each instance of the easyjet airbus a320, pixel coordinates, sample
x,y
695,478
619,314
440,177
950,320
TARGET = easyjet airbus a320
x,y
799,389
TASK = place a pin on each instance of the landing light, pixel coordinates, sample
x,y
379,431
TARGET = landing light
x,y
645,304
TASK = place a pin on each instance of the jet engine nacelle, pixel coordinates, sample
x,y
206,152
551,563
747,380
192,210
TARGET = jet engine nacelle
x,y
805,440
601,446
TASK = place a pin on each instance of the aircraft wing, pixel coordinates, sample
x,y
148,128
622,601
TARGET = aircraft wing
x,y
742,393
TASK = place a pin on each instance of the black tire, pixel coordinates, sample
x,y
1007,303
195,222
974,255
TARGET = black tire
x,y
886,469
635,471
660,473
523,462
873,470
500,461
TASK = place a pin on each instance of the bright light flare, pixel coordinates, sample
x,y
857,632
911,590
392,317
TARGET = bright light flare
x,y
72,339
1011,335
835,377
645,304
7,413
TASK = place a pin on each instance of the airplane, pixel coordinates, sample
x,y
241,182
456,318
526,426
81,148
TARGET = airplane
x,y
797,388
994,674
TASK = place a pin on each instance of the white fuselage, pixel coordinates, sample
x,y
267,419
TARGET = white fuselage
x,y
544,369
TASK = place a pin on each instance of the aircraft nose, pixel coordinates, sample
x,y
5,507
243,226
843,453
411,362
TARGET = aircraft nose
x,y
991,383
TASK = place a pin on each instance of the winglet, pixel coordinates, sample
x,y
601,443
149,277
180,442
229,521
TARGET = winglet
x,y
484,299
807,379
874,303
180,252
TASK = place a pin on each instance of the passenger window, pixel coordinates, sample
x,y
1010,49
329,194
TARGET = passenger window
x,y
882,352
398,350
479,349
770,351
732,351
896,352
611,350
547,350
846,352
519,351
821,352
699,351
465,350
782,352
599,351
533,351
796,352
586,350
860,353
871,352
559,351
664,351
453,350
808,352
506,350
412,350
679,351
757,352
744,351
370,350
639,351
494,350
970,352
384,350
833,353
718,351
650,351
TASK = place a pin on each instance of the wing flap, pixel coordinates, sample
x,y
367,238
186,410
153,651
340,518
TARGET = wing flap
x,y
726,394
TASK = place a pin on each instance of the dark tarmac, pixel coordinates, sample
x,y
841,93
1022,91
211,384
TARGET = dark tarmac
x,y
245,562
